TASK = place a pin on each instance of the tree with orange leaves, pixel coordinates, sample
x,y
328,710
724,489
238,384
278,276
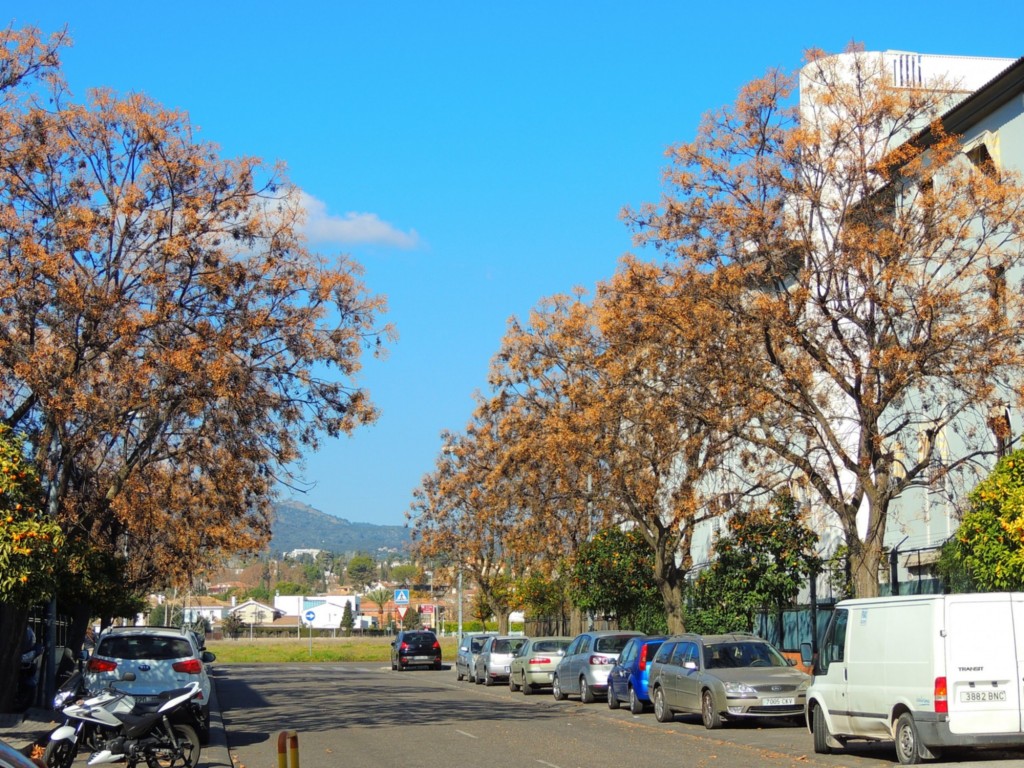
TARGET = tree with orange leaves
x,y
866,269
622,432
170,344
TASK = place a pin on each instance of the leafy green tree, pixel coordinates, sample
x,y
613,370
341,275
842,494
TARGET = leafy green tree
x,y
30,549
406,574
362,570
612,576
987,550
760,564
544,597
290,588
158,616
232,626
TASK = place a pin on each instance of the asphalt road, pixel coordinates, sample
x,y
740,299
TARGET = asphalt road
x,y
368,716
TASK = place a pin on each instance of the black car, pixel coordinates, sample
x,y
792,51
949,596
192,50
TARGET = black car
x,y
415,647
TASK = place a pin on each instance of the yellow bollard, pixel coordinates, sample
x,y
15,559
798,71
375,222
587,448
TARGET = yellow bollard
x,y
288,758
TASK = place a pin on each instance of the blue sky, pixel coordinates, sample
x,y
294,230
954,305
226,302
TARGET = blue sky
x,y
472,156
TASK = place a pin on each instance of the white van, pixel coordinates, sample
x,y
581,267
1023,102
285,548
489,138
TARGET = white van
x,y
928,671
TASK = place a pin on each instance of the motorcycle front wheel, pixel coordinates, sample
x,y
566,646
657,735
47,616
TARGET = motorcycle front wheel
x,y
166,757
60,754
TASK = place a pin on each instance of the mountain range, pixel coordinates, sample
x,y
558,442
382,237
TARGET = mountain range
x,y
300,526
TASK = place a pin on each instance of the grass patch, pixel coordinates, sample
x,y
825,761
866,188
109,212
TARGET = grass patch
x,y
277,651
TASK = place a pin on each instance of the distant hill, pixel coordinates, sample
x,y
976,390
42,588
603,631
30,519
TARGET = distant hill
x,y
300,526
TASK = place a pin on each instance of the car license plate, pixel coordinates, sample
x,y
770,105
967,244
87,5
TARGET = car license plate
x,y
975,697
778,702
423,658
506,670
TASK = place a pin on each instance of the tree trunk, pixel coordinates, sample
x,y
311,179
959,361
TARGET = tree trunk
x,y
13,620
865,557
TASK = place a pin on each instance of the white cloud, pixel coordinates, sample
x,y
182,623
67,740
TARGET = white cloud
x,y
352,227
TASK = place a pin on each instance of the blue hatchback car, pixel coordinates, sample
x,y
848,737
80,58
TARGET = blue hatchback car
x,y
627,682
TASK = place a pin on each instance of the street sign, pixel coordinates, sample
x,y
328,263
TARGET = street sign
x,y
426,608
401,597
401,611
310,615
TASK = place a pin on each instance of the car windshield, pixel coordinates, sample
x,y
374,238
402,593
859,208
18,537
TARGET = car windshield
x,y
613,644
143,647
742,654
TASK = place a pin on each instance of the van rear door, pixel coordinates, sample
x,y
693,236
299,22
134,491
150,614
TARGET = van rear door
x,y
984,640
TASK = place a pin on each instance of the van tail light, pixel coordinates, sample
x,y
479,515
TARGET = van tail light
x,y
941,699
101,665
190,667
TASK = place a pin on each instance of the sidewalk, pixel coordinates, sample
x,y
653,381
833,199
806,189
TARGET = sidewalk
x,y
23,730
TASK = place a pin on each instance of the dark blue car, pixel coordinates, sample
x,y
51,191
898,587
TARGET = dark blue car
x,y
627,682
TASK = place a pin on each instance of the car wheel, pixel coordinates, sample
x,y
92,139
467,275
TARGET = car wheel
x,y
613,702
821,734
556,690
458,673
708,712
908,742
472,676
635,705
586,692
512,684
393,666
488,680
528,689
661,711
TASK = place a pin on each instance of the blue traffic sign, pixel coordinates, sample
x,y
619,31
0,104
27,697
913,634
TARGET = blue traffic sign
x,y
401,597
310,615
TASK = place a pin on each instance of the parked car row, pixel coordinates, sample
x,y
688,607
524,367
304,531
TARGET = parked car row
x,y
719,677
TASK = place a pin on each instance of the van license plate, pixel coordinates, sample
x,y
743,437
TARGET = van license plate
x,y
971,697
778,702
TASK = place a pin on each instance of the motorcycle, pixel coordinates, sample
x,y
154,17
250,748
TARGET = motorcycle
x,y
118,729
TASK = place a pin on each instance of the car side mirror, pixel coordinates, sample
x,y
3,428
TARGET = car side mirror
x,y
806,654
690,665
208,657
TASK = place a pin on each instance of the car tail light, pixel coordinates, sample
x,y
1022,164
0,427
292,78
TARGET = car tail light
x,y
403,647
600,661
190,667
101,665
643,658
539,660
941,700
437,645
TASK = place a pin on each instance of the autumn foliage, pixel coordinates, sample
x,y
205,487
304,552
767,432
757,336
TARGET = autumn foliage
x,y
170,342
833,315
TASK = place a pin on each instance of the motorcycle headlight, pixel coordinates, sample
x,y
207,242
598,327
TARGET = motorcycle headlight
x,y
61,698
